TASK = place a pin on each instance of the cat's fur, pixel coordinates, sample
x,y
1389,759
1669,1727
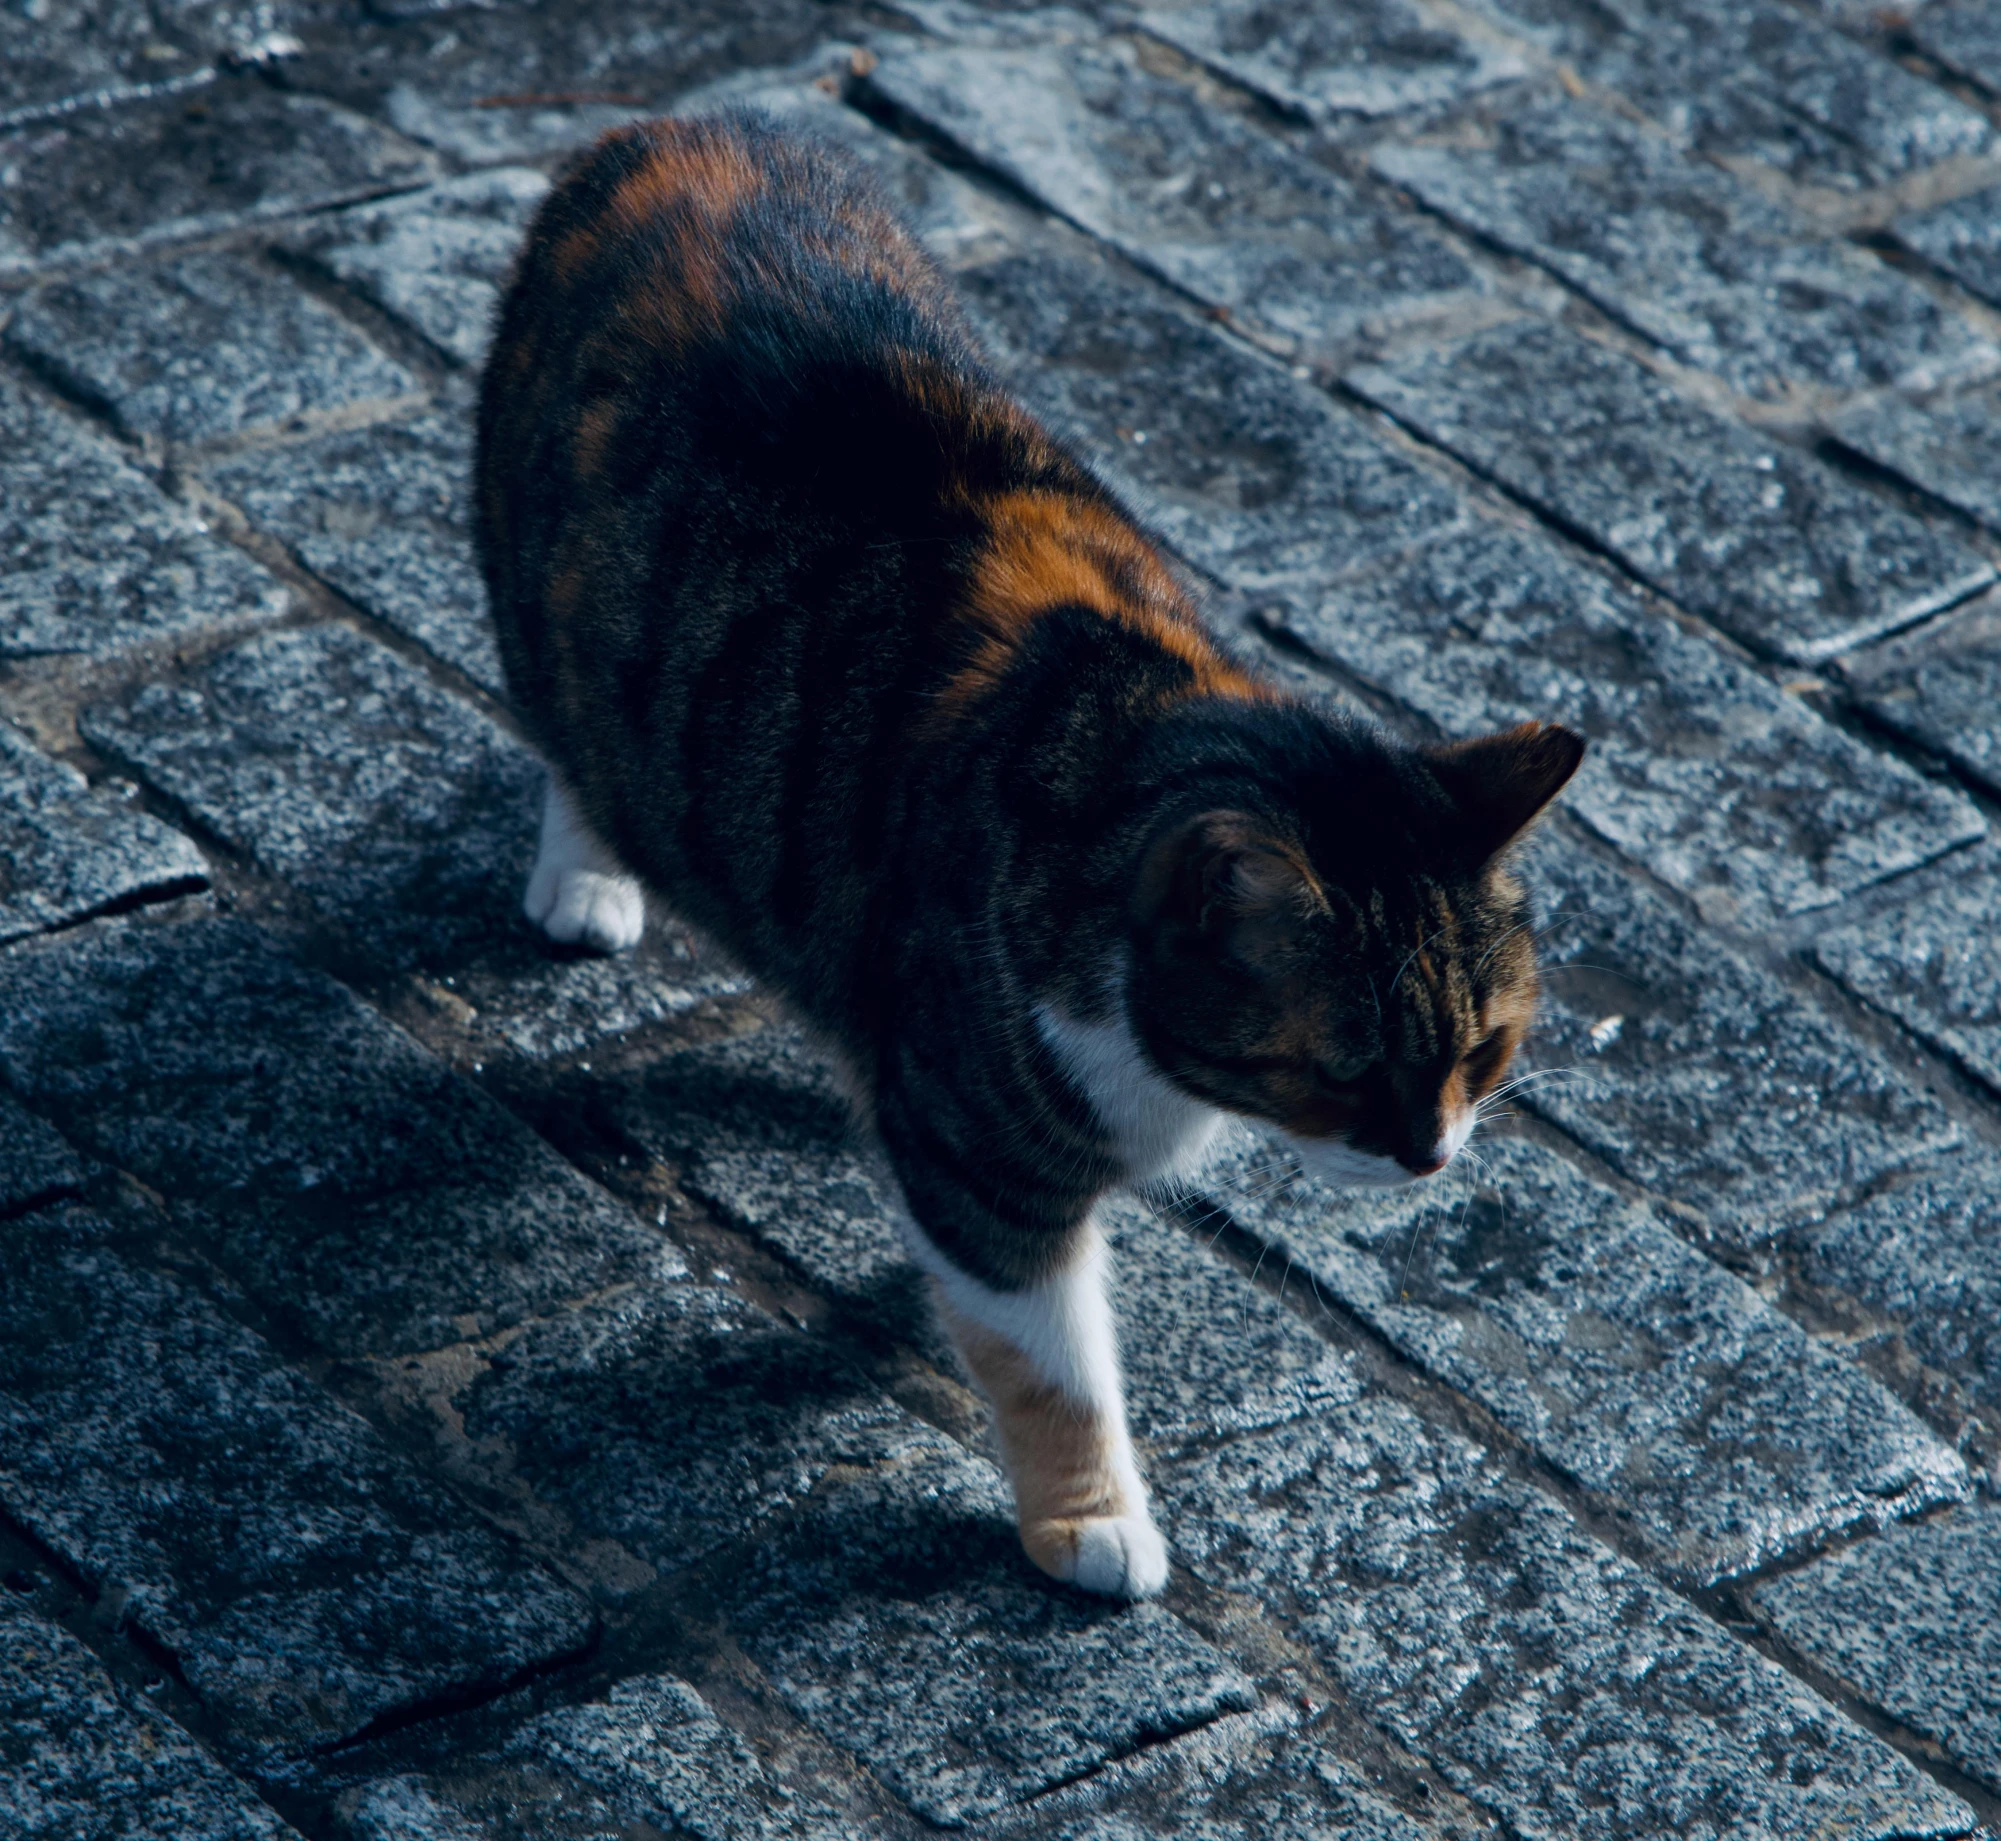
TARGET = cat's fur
x,y
832,646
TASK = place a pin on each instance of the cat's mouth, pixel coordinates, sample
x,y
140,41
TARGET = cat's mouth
x,y
1348,1167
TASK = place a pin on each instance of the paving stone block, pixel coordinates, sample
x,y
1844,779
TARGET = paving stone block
x,y
95,556
1250,473
36,1165
1766,542
85,50
1942,687
436,259
1965,37
198,347
97,181
305,1579
369,1199
1188,190
1378,57
1950,448
900,1621
1700,768
67,851
1935,964
1697,1418
76,1764
1963,238
1547,1679
1906,1621
1699,1075
1682,252
381,514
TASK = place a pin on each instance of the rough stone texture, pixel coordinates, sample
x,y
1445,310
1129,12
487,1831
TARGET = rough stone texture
x,y
199,347
1935,964
436,258
67,851
93,556
1950,448
1963,238
1250,473
76,1764
305,1579
97,180
36,1166
1700,768
1965,37
381,514
900,1621
1709,1081
369,1199
1547,1679
1374,58
1907,1623
1764,541
1698,1419
1941,686
1682,252
1188,190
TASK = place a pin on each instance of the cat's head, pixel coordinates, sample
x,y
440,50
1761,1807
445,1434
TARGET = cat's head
x,y
1338,947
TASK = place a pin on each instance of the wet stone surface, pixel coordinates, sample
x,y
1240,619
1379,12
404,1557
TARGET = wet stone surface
x,y
1941,686
1698,1419
196,348
368,1198
1700,768
96,557
1905,1621
1550,1681
1950,448
305,1579
77,1764
1769,544
1685,254
1963,238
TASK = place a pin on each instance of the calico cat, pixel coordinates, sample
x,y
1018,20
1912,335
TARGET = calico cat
x,y
832,646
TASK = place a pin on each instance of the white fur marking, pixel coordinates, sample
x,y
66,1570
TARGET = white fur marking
x,y
1159,1131
578,893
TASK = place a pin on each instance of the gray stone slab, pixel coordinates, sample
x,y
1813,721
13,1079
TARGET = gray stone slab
x,y
436,259
900,1621
306,1580
84,50
1941,686
1706,1080
1699,1420
36,1165
176,166
1188,190
1934,963
1547,1679
68,851
370,1200
1924,1254
96,557
1963,238
1249,472
1950,448
1965,37
1378,57
198,347
1700,768
1682,252
380,513
1907,1622
1766,542
76,1764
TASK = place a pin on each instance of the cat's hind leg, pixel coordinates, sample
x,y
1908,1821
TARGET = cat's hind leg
x,y
1046,1357
578,893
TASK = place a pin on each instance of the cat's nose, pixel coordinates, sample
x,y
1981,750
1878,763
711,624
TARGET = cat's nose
x,y
1431,1168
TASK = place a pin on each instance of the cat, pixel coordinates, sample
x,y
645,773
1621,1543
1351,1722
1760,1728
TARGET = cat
x,y
829,644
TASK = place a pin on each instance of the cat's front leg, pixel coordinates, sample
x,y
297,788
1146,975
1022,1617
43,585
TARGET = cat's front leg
x,y
1046,1357
578,892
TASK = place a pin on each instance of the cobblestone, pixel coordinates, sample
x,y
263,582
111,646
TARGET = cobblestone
x,y
36,1166
1950,448
1963,238
1963,36
1767,543
96,557
1941,686
1904,1620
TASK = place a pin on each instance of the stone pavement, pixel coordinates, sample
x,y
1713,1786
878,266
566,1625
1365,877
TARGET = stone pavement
x,y
453,1389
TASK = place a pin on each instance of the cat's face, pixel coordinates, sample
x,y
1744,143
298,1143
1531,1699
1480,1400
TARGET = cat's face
x,y
1366,1009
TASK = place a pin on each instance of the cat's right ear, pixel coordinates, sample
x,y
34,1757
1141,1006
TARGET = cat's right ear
x,y
1224,880
1501,783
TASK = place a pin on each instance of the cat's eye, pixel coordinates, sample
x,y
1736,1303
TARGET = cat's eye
x,y
1485,1055
1336,1083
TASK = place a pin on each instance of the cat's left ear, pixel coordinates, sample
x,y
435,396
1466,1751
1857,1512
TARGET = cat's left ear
x,y
1502,782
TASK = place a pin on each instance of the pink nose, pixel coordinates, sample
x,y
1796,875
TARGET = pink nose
x,y
1432,1168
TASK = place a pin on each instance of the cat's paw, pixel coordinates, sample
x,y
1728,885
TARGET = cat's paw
x,y
1120,1556
585,907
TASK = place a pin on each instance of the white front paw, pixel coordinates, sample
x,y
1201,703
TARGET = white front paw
x,y
584,907
1121,1556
